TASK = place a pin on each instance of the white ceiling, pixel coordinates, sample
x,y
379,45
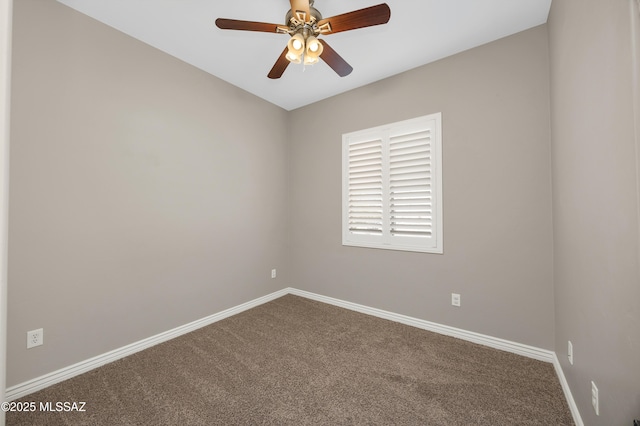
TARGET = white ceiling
x,y
419,32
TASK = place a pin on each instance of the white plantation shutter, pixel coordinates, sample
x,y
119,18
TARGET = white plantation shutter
x,y
365,187
410,185
392,186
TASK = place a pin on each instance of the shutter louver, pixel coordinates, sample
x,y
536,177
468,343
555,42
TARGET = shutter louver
x,y
365,187
410,185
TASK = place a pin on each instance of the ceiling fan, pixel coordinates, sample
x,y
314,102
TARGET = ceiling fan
x,y
304,24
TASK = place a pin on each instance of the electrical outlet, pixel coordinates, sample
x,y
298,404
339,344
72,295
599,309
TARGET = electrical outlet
x,y
570,352
273,273
595,399
35,338
455,299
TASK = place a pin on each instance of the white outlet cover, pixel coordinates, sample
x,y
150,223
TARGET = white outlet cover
x,y
570,351
455,299
35,338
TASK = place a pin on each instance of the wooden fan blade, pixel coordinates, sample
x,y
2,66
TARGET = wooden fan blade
x,y
281,64
301,10
367,17
234,24
335,61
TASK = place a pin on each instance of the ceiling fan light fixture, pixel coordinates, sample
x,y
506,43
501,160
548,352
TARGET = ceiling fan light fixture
x,y
296,48
293,58
308,60
314,47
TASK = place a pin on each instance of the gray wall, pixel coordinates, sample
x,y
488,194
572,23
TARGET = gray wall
x,y
497,194
595,196
145,193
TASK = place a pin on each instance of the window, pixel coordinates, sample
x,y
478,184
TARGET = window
x,y
392,186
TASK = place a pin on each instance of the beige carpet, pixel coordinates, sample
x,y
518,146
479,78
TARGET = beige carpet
x,y
294,361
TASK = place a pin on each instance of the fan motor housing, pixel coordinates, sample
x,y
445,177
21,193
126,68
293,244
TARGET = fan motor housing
x,y
315,16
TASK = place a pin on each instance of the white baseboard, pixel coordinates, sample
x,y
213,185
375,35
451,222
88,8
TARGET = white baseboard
x,y
22,389
26,388
567,392
482,339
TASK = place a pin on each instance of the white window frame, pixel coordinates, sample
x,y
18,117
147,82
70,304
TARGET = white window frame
x,y
381,234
